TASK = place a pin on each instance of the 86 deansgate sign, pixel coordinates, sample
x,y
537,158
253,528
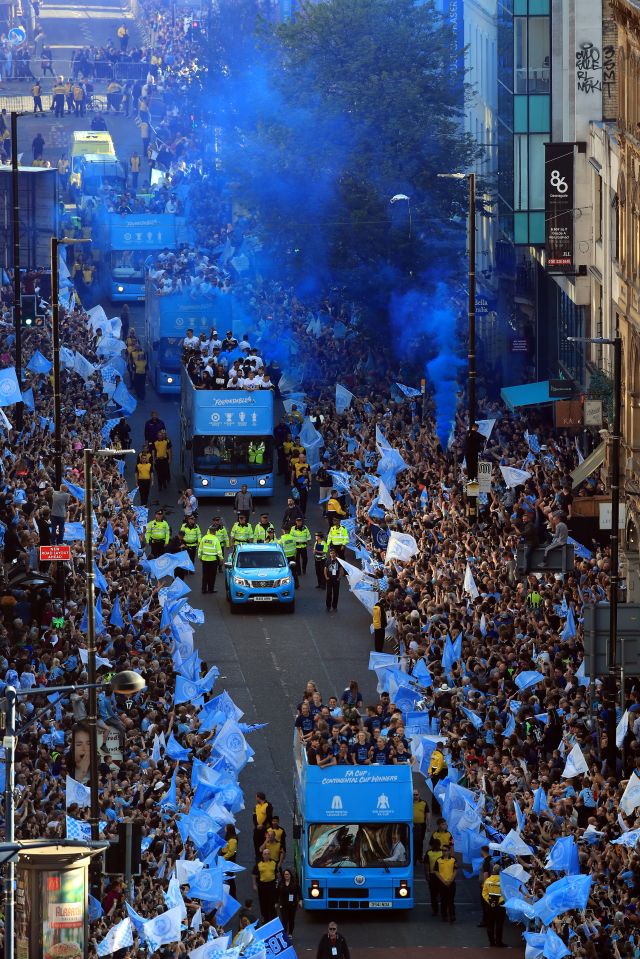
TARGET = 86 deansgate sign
x,y
558,206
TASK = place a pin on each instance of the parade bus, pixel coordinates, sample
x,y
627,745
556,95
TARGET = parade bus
x,y
166,321
226,439
129,240
353,835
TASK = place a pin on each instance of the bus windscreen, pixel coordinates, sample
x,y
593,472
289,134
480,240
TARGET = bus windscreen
x,y
358,845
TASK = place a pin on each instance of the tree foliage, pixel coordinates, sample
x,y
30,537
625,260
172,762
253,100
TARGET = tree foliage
x,y
339,110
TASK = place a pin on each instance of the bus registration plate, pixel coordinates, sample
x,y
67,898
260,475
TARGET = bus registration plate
x,y
229,492
380,905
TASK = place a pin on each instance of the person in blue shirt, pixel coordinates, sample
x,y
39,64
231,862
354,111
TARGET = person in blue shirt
x,y
304,722
359,750
379,754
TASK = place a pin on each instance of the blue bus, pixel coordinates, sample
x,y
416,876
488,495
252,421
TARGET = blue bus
x,y
353,835
166,321
128,240
226,439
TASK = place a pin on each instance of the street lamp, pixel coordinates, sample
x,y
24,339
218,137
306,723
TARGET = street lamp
x,y
614,537
92,718
402,197
17,286
126,683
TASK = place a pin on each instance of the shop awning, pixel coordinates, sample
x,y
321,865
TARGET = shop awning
x,y
591,463
529,394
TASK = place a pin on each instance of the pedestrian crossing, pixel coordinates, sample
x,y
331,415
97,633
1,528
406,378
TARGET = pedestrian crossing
x,y
85,12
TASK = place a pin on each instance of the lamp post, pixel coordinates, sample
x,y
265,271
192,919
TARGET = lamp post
x,y
92,718
614,537
126,683
17,296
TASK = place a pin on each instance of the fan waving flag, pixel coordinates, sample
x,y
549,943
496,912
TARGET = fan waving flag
x,y
576,764
275,940
231,744
39,364
469,584
9,388
165,928
119,937
77,794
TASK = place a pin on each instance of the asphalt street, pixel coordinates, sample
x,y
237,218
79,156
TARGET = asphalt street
x,y
265,657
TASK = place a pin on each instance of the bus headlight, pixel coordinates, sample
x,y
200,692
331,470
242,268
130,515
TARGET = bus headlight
x,y
169,379
403,891
120,289
205,482
262,481
314,892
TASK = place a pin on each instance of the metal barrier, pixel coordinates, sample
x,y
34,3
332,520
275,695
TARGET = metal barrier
x,y
96,103
95,70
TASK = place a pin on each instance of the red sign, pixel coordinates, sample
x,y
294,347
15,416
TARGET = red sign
x,y
49,554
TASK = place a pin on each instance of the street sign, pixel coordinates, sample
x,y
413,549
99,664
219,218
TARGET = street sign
x,y
605,515
52,554
484,476
596,639
593,413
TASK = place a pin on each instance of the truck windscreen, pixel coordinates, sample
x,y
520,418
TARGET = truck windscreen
x,y
358,845
228,455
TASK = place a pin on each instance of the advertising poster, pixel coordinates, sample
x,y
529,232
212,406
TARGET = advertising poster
x,y
63,914
559,206
23,914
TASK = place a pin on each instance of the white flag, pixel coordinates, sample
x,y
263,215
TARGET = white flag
x,y
401,546
119,937
343,398
576,764
469,585
631,796
485,427
165,928
355,575
384,496
196,922
514,477
621,729
77,793
512,845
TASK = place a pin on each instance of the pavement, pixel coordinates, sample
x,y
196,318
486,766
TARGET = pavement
x,y
266,657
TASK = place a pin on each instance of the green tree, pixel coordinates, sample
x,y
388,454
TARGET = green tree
x,y
353,102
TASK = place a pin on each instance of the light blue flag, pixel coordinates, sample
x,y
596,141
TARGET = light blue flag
x,y
569,630
570,892
76,491
224,704
231,744
191,615
190,668
275,940
207,885
116,618
581,676
175,751
520,816
156,754
535,944
527,679
421,673
173,897
165,928
108,538
554,947
197,826
118,937
476,720
170,799
28,399
78,829
448,655
39,363
187,692
408,391
563,856
77,793
512,845
540,801
95,909
9,388
124,399
510,886
166,564
99,579
343,399
73,532
510,726
137,920
228,909
178,589
133,541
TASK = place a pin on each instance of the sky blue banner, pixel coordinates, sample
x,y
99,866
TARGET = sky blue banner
x,y
143,232
358,794
178,313
232,412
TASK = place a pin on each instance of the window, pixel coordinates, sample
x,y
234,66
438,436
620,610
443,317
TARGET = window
x,y
358,845
128,266
260,559
597,202
226,455
532,54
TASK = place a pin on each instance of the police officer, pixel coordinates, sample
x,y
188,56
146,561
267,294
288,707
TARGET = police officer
x,y
241,531
338,538
220,530
210,555
288,544
262,529
158,533
302,536
494,908
192,536
256,452
36,92
379,625
320,557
